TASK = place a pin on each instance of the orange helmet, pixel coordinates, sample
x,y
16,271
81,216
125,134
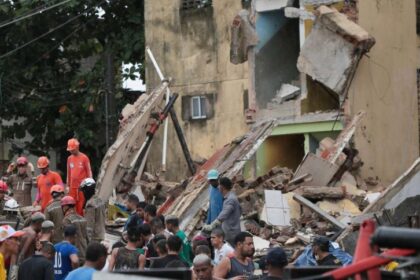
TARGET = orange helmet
x,y
22,161
57,188
3,186
68,200
72,144
42,162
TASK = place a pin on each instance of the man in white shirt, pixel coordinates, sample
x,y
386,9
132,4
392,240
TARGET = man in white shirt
x,y
221,248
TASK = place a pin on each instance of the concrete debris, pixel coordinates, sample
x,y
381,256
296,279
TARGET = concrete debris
x,y
285,93
244,36
270,5
121,155
333,49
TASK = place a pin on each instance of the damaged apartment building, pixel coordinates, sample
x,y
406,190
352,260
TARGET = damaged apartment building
x,y
308,66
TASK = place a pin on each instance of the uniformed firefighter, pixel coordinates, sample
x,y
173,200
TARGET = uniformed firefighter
x,y
72,218
78,169
94,211
21,183
54,213
45,181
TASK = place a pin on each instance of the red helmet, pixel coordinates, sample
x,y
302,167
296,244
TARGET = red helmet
x,y
68,200
57,188
72,144
43,162
3,186
22,161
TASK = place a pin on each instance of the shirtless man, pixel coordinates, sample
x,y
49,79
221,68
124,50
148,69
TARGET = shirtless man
x,y
28,241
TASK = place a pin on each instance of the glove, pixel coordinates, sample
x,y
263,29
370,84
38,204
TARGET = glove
x,y
211,226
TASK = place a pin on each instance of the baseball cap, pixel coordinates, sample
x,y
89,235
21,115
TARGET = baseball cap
x,y
213,174
276,257
7,231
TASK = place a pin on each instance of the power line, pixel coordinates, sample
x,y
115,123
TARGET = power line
x,y
33,13
47,33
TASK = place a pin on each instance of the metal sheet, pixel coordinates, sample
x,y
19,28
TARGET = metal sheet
x,y
321,170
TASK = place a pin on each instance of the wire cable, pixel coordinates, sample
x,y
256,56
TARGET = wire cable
x,y
47,33
39,11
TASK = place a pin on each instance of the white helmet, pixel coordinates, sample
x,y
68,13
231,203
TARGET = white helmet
x,y
11,204
87,183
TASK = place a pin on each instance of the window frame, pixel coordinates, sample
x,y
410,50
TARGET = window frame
x,y
201,115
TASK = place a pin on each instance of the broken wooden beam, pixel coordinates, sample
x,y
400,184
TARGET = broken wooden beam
x,y
318,192
324,215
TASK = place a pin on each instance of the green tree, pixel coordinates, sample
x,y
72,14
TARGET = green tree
x,y
54,88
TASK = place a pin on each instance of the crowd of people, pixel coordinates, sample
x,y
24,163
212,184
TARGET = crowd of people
x,y
64,239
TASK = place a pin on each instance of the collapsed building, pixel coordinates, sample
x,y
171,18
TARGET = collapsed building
x,y
292,104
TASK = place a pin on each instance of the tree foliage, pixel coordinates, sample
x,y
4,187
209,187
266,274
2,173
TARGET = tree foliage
x,y
54,88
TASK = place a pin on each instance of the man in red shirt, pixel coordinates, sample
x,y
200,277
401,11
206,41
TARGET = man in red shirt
x,y
45,181
78,168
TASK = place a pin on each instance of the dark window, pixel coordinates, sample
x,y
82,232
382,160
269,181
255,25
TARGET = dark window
x,y
195,4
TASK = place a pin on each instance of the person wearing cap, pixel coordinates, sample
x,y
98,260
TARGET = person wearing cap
x,y
215,196
46,234
21,183
28,244
66,258
40,265
9,246
71,217
276,261
230,217
94,210
45,181
78,169
320,248
54,213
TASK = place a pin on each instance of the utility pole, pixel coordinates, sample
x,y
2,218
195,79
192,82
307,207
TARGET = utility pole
x,y
110,111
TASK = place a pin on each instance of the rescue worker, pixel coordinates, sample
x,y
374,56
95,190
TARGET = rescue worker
x,y
21,183
68,205
3,192
78,169
230,216
28,242
54,213
215,196
94,211
44,182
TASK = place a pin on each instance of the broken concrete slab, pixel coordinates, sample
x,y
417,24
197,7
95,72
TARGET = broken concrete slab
x,y
120,156
321,170
333,49
339,207
285,93
244,36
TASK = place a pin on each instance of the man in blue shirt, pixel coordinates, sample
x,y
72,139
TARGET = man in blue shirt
x,y
131,205
216,197
96,255
66,258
